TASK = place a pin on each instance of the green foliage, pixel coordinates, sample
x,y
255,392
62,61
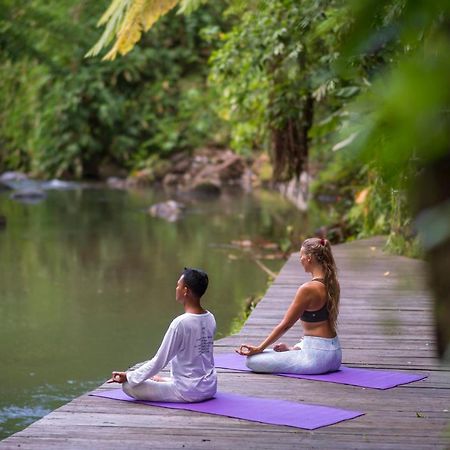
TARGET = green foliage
x,y
64,115
396,123
19,99
399,123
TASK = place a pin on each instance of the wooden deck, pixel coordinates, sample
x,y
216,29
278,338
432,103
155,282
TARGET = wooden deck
x,y
385,322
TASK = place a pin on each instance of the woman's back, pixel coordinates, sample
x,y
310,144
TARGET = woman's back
x,y
315,318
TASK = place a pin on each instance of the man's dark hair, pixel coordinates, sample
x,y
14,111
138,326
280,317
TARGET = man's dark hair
x,y
196,280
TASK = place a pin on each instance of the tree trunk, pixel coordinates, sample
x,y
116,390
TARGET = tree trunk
x,y
290,143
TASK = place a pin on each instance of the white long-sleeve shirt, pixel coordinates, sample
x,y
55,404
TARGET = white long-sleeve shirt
x,y
188,344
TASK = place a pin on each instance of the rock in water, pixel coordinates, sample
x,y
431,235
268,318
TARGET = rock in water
x,y
13,176
58,184
170,210
116,183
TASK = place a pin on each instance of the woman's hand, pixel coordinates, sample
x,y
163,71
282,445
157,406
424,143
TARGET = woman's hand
x,y
281,347
118,377
248,350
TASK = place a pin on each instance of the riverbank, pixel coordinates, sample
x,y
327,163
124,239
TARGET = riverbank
x,y
206,173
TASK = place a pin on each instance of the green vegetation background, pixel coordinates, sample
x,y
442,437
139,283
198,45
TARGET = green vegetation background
x,y
357,92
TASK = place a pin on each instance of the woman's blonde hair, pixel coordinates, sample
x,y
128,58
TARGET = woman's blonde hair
x,y
321,250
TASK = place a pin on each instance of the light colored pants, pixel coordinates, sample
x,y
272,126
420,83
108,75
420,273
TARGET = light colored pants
x,y
316,355
154,391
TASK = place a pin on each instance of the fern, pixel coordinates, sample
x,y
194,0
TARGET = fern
x,y
126,20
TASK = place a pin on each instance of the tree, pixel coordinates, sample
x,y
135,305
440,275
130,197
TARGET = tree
x,y
275,70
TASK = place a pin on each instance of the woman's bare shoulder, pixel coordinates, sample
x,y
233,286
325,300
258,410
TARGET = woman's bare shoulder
x,y
311,286
310,290
306,290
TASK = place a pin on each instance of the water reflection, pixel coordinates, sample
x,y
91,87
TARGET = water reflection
x,y
88,277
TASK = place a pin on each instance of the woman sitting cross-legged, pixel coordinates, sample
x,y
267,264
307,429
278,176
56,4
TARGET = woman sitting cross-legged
x,y
316,306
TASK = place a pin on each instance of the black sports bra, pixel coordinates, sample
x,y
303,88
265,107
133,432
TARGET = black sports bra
x,y
319,315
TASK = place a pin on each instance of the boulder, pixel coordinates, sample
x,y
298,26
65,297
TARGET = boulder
x,y
231,169
13,176
58,185
205,172
180,163
210,171
170,210
171,179
116,183
228,167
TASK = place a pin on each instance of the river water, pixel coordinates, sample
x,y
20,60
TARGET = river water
x,y
87,283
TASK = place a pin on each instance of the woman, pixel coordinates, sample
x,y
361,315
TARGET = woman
x,y
316,304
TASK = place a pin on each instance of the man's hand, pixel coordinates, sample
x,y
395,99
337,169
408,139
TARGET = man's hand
x,y
118,377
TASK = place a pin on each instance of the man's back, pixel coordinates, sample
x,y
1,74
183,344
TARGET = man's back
x,y
193,365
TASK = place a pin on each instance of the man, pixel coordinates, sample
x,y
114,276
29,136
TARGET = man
x,y
187,344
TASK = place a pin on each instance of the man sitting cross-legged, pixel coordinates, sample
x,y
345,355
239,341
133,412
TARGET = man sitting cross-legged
x,y
187,344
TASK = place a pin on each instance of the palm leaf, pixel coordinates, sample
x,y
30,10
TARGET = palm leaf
x,y
126,20
154,10
113,18
114,7
130,30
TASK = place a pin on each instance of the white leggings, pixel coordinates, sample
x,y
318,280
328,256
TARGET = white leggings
x,y
155,391
316,355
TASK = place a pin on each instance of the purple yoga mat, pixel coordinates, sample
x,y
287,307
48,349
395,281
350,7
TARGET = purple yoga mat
x,y
368,378
255,409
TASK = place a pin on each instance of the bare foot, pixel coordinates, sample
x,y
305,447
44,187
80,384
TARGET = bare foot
x,y
281,347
